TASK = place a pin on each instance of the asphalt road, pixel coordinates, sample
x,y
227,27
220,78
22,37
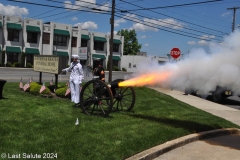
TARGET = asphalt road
x,y
15,75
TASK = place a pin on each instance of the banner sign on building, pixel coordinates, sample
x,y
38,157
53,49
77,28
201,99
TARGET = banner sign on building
x,y
82,53
49,64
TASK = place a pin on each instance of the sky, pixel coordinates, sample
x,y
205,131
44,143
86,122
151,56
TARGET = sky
x,y
160,24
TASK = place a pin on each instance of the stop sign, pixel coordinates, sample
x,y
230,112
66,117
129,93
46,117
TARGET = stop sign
x,y
175,53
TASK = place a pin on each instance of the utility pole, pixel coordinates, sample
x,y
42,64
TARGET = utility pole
x,y
111,42
234,16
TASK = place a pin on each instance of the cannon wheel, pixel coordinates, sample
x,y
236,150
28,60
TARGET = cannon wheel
x,y
96,98
124,99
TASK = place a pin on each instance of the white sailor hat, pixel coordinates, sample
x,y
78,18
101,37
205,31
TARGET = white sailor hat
x,y
75,56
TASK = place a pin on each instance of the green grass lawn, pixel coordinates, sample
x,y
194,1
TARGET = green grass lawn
x,y
37,125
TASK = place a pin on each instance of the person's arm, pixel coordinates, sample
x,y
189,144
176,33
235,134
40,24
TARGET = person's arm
x,y
69,69
102,74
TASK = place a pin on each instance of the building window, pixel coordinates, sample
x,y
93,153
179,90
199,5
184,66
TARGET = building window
x,y
74,41
29,58
60,40
84,42
115,63
12,57
13,35
115,47
32,37
46,38
99,46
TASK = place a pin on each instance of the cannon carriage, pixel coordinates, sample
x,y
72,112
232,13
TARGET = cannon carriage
x,y
100,98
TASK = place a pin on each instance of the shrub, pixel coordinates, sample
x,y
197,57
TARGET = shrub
x,y
29,65
115,68
9,64
35,88
16,64
124,69
60,92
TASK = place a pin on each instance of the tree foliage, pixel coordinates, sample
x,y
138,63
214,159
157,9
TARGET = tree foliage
x,y
131,45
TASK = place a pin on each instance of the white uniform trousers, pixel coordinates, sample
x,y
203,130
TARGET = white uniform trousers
x,y
75,91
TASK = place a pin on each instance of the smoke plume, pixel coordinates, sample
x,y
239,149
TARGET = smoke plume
x,y
201,71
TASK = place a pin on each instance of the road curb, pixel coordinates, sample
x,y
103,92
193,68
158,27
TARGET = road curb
x,y
155,152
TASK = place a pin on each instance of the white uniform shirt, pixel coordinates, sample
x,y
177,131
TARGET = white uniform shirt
x,y
76,72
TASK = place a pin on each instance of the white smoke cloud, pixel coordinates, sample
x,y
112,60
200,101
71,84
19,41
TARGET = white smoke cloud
x,y
202,71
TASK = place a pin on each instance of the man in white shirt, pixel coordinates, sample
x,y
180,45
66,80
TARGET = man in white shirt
x,y
75,79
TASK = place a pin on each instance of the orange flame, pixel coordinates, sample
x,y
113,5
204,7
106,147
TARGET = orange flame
x,y
145,79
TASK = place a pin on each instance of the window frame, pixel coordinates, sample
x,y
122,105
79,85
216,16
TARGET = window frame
x,y
115,47
84,43
12,57
32,37
15,35
99,46
46,38
74,42
60,40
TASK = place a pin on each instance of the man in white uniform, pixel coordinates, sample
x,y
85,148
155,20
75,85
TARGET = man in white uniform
x,y
75,79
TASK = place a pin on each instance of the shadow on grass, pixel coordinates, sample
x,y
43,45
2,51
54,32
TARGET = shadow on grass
x,y
3,98
191,126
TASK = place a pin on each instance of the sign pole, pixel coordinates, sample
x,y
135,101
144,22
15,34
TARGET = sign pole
x,y
40,77
56,81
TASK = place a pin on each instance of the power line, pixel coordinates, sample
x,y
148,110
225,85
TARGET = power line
x,y
156,20
178,26
107,13
175,18
178,5
45,5
219,23
183,32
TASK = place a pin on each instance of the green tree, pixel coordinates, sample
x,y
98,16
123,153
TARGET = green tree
x,y
131,45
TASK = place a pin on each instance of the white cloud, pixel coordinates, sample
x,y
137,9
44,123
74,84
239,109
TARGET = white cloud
x,y
74,18
132,17
191,42
114,32
85,5
225,14
13,10
87,25
207,37
118,21
202,43
144,36
153,25
146,45
141,27
168,22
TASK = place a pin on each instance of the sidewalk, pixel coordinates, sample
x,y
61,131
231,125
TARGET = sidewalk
x,y
221,144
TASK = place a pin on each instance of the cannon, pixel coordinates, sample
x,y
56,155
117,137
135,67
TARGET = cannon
x,y
100,98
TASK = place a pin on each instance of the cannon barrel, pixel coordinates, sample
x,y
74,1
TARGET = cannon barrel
x,y
114,84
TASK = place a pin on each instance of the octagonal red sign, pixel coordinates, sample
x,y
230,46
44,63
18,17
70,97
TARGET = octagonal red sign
x,y
175,53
